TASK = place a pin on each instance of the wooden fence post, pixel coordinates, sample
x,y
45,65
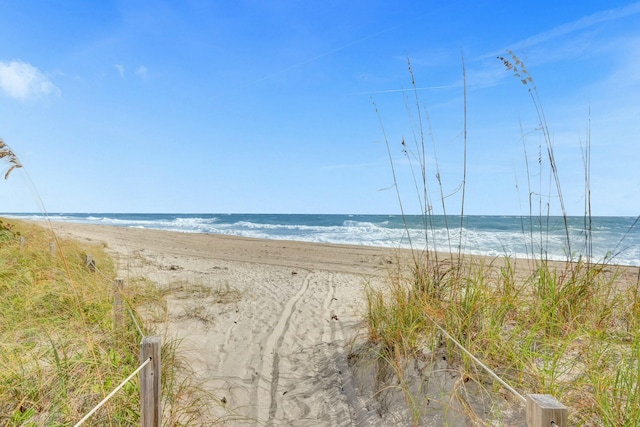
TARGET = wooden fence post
x,y
150,405
22,242
52,248
545,410
118,308
90,263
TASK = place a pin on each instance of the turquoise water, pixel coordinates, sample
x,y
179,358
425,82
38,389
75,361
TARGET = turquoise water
x,y
613,239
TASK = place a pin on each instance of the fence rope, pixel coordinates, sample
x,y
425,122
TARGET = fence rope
x,y
110,395
97,270
135,322
476,360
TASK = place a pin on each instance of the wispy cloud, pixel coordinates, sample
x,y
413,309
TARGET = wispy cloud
x,y
142,71
580,24
22,81
120,69
352,166
410,89
561,43
570,27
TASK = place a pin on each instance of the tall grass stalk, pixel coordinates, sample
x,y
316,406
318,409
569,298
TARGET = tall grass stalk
x,y
520,71
393,172
464,154
588,220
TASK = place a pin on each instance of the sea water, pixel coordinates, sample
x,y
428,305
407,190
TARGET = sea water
x,y
614,240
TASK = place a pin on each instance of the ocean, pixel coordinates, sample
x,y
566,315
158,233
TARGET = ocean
x,y
614,240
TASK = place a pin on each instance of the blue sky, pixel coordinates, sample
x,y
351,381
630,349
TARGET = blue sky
x,y
268,106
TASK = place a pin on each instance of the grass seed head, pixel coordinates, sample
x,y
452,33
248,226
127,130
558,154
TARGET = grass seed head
x,y
6,151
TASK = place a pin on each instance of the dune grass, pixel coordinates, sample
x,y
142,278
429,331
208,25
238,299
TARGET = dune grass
x,y
59,352
569,329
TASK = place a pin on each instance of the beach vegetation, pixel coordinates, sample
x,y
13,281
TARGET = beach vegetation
x,y
60,353
10,157
566,328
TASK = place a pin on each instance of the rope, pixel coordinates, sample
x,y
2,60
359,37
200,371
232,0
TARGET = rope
x,y
475,359
110,395
97,270
135,322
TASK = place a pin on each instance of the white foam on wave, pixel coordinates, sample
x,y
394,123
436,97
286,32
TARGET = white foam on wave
x,y
494,242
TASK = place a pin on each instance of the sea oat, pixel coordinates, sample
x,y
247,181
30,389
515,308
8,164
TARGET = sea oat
x,y
6,151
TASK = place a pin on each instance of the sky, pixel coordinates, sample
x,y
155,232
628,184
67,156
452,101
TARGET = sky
x,y
282,106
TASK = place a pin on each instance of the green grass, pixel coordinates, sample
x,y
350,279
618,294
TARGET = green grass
x,y
59,352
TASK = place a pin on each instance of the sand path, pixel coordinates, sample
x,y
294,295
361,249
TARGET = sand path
x,y
266,324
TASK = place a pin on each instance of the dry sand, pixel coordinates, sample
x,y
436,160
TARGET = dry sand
x,y
267,325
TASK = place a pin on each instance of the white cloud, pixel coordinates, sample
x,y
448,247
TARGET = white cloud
x,y
22,81
142,71
120,69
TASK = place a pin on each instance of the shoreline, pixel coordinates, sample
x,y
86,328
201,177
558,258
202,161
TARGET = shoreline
x,y
355,259
281,251
488,236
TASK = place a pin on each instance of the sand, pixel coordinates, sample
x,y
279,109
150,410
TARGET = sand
x,y
266,325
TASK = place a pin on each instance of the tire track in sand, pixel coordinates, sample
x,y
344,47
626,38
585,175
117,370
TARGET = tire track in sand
x,y
333,334
271,356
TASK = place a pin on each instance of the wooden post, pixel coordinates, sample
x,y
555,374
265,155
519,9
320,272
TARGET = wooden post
x,y
150,404
22,242
118,308
544,409
90,263
52,248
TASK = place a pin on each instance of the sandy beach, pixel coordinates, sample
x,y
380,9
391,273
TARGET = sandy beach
x,y
267,325
274,330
